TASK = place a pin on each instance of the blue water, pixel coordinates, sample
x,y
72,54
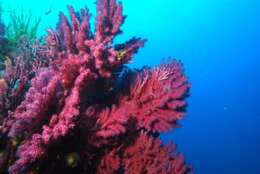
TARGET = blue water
x,y
219,44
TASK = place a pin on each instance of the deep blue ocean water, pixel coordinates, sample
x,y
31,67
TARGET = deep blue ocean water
x,y
218,42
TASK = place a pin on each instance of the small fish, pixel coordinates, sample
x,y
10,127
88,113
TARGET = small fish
x,y
121,54
48,12
225,108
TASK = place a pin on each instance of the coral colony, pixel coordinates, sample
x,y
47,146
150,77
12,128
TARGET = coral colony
x,y
77,108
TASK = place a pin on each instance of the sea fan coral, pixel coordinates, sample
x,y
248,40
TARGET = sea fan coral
x,y
86,112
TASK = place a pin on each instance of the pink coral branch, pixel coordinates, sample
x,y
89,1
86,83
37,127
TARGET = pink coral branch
x,y
64,123
67,117
32,110
28,152
75,38
109,20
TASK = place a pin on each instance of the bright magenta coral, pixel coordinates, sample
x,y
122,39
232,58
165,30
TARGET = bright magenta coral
x,y
86,112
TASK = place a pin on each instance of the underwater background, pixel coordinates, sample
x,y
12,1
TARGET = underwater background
x,y
218,42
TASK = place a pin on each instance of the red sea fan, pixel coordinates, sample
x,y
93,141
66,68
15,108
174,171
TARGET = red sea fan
x,y
85,113
144,155
110,163
156,97
112,122
147,155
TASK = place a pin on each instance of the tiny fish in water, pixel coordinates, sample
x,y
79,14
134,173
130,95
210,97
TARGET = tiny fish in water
x,y
225,108
48,12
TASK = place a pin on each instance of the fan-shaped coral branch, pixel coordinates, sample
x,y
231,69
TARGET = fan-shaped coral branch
x,y
112,122
110,163
156,97
147,155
